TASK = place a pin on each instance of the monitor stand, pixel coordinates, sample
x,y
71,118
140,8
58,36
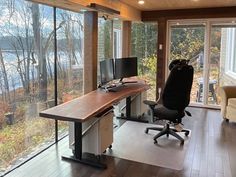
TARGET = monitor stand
x,y
127,82
107,88
114,87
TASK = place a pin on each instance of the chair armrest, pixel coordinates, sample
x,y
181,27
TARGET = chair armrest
x,y
150,103
226,92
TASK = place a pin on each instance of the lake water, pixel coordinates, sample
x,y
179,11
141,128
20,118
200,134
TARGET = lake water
x,y
11,62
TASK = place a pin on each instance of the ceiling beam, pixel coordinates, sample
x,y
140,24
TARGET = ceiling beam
x,y
217,12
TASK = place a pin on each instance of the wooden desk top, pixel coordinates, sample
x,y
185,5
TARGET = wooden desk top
x,y
91,104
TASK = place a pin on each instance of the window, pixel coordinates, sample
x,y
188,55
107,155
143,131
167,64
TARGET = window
x,y
26,80
117,39
144,46
186,41
70,37
231,52
105,46
27,75
104,39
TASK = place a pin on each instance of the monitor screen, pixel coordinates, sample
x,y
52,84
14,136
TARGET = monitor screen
x,y
106,70
126,67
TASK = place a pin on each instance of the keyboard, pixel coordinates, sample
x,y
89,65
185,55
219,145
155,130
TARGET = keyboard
x,y
115,89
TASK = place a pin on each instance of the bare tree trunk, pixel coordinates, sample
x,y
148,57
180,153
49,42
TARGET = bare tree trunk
x,y
19,69
14,89
1,87
69,50
27,72
42,69
145,41
49,68
4,72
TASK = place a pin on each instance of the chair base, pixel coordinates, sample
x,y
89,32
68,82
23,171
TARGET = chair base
x,y
167,131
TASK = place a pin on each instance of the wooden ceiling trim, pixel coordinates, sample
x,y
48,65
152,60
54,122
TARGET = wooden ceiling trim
x,y
126,12
219,12
179,4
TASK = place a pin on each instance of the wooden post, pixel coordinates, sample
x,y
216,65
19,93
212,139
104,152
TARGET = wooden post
x,y
90,51
126,38
161,54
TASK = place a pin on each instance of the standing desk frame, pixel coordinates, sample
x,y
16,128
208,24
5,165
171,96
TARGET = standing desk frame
x,y
85,107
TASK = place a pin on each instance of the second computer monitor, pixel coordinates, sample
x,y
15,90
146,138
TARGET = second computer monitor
x,y
126,67
106,71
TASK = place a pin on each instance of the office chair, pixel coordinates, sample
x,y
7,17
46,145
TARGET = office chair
x,y
175,98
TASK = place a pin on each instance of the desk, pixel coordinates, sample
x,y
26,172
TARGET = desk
x,y
85,107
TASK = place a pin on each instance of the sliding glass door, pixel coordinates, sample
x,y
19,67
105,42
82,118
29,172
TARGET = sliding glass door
x,y
187,42
210,45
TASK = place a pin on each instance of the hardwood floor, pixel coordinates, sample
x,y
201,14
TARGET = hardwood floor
x,y
211,153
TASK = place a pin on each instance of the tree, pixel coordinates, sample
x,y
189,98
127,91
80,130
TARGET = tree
x,y
5,77
40,51
144,43
186,42
144,46
18,34
41,48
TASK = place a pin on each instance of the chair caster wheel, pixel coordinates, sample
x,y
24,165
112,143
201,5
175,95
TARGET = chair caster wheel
x,y
155,142
110,147
186,133
182,143
146,131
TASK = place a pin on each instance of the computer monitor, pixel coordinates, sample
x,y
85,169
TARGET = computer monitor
x,y
126,67
106,71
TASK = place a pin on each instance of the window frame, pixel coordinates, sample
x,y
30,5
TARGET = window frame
x,y
231,53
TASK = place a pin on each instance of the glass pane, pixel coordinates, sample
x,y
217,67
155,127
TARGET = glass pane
x,y
187,42
104,39
117,38
26,80
105,43
144,46
222,60
70,37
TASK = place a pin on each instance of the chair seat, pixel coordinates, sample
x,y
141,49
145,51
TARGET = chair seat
x,y
168,114
232,102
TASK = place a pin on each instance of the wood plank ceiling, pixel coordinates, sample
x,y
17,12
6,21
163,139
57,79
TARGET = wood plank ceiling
x,y
178,4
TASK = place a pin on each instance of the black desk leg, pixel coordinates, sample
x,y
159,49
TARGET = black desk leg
x,y
78,140
128,113
86,158
128,106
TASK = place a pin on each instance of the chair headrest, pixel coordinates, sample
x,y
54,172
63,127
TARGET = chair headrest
x,y
178,62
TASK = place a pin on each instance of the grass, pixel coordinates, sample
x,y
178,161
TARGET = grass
x,y
22,137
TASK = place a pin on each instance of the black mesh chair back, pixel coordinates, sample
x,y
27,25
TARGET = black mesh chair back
x,y
176,93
